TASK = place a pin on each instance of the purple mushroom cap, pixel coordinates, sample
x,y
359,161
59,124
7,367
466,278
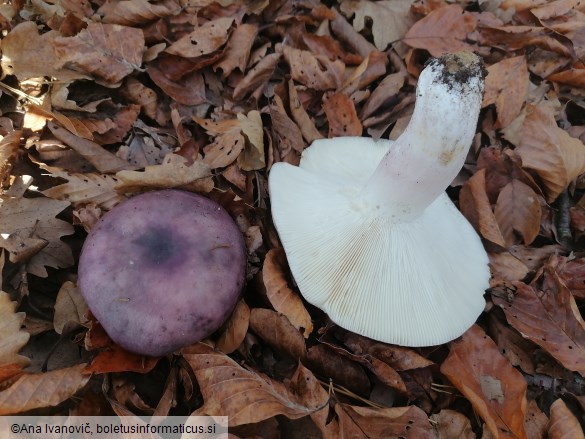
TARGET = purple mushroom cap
x,y
162,270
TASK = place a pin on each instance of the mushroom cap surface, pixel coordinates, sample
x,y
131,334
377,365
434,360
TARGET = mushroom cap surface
x,y
162,270
411,271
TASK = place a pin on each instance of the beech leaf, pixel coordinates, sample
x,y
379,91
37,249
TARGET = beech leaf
x,y
280,295
33,391
563,423
495,389
235,329
246,396
12,337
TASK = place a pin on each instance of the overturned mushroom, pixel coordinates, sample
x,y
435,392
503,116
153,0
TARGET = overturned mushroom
x,y
370,235
162,270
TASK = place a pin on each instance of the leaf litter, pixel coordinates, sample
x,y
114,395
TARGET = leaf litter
x,y
103,100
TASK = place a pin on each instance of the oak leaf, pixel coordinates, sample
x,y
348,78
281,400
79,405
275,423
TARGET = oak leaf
x,y
35,218
495,389
280,295
246,396
69,307
12,337
109,52
32,391
174,172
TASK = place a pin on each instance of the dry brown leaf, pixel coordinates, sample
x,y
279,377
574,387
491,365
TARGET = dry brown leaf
x,y
572,77
475,205
563,423
252,158
107,51
12,337
517,37
512,345
518,211
69,307
342,117
365,422
507,267
189,90
8,153
450,424
134,12
536,422
246,396
444,30
390,18
288,140
572,273
338,369
506,86
82,189
104,161
384,93
495,389
235,329
281,296
550,318
147,98
258,76
300,115
27,54
276,330
35,218
315,71
238,49
553,154
32,391
174,172
205,39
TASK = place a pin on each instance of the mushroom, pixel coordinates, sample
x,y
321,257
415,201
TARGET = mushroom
x,y
162,270
370,235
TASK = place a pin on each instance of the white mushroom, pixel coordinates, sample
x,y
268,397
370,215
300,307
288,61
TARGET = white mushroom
x,y
370,235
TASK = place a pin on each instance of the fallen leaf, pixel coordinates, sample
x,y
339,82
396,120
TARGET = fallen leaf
x,y
86,188
8,153
550,318
495,389
205,39
300,115
563,423
32,391
365,422
103,160
69,307
507,267
518,211
246,396
512,345
342,116
235,328
390,19
445,30
258,76
516,37
128,13
475,205
506,85
571,77
12,337
26,54
553,154
107,51
35,217
315,71
280,295
450,424
115,359
536,422
237,53
252,157
174,172
286,134
276,330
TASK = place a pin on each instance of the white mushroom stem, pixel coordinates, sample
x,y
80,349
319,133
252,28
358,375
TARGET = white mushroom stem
x,y
370,236
425,159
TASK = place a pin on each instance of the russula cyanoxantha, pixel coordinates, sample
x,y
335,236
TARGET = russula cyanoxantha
x,y
370,235
162,270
